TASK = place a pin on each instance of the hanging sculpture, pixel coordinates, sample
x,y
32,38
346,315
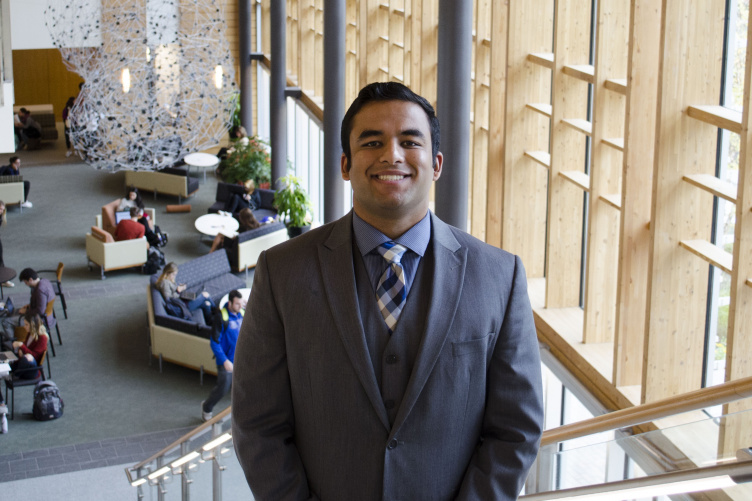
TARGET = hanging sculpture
x,y
159,80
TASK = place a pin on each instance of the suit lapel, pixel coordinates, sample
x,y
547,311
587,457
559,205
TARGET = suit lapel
x,y
448,271
334,254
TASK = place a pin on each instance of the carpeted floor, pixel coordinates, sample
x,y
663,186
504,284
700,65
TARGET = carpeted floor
x,y
103,367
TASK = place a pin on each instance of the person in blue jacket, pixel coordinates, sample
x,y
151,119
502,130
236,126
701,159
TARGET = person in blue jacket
x,y
223,341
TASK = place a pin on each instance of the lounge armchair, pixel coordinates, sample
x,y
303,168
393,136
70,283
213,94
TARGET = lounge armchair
x,y
12,193
226,190
244,250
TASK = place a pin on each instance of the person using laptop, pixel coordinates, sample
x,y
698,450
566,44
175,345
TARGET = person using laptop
x,y
171,290
30,351
41,294
129,229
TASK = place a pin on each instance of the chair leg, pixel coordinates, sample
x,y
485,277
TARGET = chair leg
x,y
49,369
12,403
57,328
101,272
65,306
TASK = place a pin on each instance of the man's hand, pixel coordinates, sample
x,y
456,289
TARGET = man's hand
x,y
228,366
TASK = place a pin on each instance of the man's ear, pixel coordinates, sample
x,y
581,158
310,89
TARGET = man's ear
x,y
438,162
344,167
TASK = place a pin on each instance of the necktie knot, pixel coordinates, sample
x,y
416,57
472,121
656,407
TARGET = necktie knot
x,y
392,251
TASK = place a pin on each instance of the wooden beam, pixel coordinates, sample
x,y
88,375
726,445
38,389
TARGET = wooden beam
x,y
618,85
542,108
677,291
579,124
636,197
739,333
545,59
717,116
613,199
710,253
541,157
579,179
569,99
713,185
583,72
614,142
522,215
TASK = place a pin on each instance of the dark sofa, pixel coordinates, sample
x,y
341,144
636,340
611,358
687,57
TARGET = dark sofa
x,y
186,342
226,190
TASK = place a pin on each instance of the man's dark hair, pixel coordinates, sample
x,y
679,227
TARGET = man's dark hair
x,y
387,91
24,111
135,211
12,160
27,274
233,294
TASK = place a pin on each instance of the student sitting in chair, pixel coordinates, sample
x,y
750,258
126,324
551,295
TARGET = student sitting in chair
x,y
31,351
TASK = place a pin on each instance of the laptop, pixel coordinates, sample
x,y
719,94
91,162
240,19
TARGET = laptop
x,y
123,214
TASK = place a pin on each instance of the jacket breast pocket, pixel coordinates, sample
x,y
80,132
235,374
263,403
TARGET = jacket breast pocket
x,y
473,346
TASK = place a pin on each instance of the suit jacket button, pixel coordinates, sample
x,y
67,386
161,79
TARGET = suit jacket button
x,y
391,359
392,445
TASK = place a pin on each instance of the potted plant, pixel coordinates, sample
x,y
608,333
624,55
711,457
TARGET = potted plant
x,y
293,206
248,161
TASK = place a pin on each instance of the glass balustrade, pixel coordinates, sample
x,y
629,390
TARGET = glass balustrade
x,y
689,447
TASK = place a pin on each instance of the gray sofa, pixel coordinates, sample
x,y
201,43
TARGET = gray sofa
x,y
186,342
226,190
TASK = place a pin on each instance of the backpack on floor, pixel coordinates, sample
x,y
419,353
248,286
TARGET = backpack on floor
x,y
155,259
47,402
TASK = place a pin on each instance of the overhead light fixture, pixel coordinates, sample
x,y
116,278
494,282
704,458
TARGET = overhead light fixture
x,y
126,79
218,73
217,442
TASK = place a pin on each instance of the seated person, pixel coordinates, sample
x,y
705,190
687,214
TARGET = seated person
x,y
31,351
41,294
238,135
247,222
129,229
251,199
26,127
170,290
14,169
153,235
132,198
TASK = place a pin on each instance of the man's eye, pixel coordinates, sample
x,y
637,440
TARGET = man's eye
x,y
411,144
370,144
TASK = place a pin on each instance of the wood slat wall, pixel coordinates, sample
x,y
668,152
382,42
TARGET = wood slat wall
x,y
40,77
645,295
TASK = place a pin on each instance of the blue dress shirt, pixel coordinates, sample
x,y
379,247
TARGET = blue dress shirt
x,y
369,238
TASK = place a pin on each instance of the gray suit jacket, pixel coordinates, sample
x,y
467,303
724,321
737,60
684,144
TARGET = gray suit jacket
x,y
308,417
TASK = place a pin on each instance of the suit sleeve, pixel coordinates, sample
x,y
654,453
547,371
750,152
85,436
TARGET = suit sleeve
x,y
263,420
513,420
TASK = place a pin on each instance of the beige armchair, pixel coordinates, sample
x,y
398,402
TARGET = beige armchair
x,y
12,193
103,250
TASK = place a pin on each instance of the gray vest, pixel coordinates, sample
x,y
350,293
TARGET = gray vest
x,y
393,357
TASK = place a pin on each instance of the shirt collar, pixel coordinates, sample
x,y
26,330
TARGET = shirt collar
x,y
368,238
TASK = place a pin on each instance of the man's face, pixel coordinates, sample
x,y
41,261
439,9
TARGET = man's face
x,y
17,164
235,305
30,283
391,167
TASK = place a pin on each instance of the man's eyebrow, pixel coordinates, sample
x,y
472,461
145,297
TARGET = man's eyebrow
x,y
369,133
412,132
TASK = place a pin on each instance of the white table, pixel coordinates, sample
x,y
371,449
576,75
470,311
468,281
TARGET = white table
x,y
246,293
213,224
201,161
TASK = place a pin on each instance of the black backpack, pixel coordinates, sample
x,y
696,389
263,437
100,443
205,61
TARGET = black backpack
x,y
47,402
155,259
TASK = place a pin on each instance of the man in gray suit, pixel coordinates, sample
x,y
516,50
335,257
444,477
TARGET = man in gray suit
x,y
387,355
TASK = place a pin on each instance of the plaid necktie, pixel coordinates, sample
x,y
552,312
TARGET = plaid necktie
x,y
391,291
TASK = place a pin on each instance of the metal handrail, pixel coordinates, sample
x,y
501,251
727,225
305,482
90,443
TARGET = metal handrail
x,y
694,400
177,443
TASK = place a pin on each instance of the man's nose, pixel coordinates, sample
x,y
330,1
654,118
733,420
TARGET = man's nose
x,y
392,152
